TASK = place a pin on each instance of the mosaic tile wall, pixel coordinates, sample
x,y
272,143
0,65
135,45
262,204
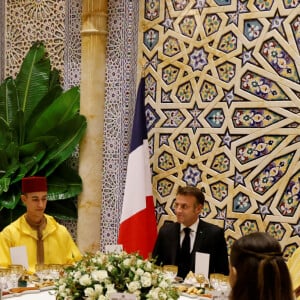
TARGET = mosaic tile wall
x,y
119,108
57,23
222,87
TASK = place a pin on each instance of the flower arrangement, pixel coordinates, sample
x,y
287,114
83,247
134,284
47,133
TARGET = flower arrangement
x,y
99,275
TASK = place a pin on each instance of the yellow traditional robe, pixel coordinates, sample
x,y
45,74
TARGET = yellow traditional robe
x,y
59,247
294,267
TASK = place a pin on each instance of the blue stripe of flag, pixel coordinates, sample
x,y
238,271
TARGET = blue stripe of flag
x,y
139,129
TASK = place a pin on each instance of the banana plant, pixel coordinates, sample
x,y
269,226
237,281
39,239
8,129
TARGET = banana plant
x,y
40,127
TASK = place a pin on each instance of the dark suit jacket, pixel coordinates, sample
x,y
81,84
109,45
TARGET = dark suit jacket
x,y
209,239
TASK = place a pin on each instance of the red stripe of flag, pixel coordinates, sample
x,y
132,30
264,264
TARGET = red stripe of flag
x,y
138,229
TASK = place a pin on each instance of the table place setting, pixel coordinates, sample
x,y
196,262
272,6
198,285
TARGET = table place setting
x,y
16,281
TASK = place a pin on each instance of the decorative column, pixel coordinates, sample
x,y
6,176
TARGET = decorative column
x,y
94,35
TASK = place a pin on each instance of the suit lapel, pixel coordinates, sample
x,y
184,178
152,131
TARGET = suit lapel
x,y
175,242
200,235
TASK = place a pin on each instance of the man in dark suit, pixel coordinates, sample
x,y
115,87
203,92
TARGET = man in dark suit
x,y
176,245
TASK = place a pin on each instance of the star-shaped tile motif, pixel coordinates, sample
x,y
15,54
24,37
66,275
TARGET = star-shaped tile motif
x,y
168,21
195,113
222,215
296,229
227,139
160,210
233,17
238,178
154,61
276,24
263,209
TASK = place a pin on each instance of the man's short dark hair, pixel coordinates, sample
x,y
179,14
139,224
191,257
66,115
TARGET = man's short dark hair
x,y
192,191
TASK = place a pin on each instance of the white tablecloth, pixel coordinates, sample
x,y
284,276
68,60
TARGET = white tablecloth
x,y
48,295
45,295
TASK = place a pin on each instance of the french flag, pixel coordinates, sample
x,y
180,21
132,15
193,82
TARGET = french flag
x,y
138,229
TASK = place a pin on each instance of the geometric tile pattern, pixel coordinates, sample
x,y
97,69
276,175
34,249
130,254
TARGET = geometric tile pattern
x,y
119,107
222,88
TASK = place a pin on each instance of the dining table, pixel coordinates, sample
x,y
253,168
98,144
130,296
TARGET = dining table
x,y
50,295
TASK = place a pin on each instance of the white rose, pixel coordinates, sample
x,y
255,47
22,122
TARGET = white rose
x,y
133,286
164,284
99,275
77,275
98,289
101,297
153,294
89,292
148,265
61,288
126,262
110,268
139,262
110,289
139,272
146,279
85,280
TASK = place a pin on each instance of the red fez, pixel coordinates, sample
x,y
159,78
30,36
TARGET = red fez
x,y
34,184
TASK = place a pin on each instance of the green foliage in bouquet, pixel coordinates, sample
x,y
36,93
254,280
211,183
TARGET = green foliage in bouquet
x,y
99,275
40,127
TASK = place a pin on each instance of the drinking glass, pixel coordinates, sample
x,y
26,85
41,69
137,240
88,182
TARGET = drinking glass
x,y
54,271
15,273
4,278
220,285
170,271
42,271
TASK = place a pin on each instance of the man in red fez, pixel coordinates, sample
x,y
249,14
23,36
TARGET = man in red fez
x,y
46,241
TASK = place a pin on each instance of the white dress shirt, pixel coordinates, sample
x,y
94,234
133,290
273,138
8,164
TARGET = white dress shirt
x,y
192,233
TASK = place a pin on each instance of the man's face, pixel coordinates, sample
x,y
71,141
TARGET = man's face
x,y
186,209
35,204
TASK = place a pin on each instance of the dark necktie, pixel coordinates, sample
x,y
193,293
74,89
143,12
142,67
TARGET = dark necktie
x,y
186,243
184,265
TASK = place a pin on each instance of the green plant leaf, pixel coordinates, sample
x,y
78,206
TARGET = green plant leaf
x,y
64,183
40,126
9,215
11,198
40,108
63,209
5,134
69,135
33,79
4,184
9,161
8,100
61,109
